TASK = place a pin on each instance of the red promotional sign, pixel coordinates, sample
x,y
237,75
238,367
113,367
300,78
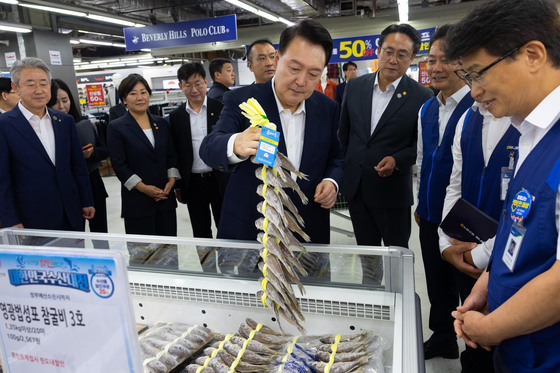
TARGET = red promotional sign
x,y
95,95
423,77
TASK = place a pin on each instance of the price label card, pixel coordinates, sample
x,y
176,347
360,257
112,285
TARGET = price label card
x,y
268,146
64,310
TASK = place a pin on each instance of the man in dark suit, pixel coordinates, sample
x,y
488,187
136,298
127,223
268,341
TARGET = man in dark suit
x,y
221,72
378,131
350,70
200,186
44,182
117,111
307,121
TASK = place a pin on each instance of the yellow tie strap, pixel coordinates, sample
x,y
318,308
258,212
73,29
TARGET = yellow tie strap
x,y
263,173
264,284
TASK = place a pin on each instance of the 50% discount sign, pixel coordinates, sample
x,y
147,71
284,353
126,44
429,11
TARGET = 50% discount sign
x,y
95,95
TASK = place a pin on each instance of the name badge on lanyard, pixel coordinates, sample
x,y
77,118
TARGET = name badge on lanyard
x,y
520,208
507,174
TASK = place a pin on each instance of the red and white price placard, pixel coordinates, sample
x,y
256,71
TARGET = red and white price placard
x,y
424,79
95,95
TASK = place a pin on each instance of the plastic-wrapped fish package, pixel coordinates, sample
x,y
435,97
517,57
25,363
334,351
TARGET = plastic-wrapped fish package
x,y
361,353
164,346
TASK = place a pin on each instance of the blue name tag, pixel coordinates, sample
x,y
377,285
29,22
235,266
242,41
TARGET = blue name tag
x,y
268,146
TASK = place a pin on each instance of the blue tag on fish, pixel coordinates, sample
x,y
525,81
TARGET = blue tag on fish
x,y
268,146
521,205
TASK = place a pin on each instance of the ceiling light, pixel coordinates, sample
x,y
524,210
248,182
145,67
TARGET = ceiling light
x,y
72,41
106,61
117,64
243,5
87,41
119,45
267,16
403,10
139,25
14,2
174,60
54,10
146,50
15,27
99,33
283,20
111,20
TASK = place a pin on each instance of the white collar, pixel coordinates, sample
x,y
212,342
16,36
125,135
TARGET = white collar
x,y
27,114
457,96
300,109
395,84
544,114
204,105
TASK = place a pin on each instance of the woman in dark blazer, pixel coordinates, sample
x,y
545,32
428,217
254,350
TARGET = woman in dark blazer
x,y
95,151
144,159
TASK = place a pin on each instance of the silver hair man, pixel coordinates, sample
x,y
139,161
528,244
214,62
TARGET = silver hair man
x,y
28,63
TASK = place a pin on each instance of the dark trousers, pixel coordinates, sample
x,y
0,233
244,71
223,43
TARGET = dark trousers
x,y
499,366
371,226
99,222
446,287
202,195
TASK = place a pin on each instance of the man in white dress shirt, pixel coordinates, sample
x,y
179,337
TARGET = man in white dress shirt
x,y
44,182
510,51
8,97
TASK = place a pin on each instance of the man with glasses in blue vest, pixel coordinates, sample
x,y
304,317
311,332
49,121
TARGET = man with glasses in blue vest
x,y
510,52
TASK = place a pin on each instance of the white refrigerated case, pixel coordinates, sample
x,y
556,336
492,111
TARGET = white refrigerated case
x,y
168,284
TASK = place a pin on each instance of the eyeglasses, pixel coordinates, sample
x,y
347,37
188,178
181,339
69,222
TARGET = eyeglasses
x,y
198,87
400,56
476,76
352,70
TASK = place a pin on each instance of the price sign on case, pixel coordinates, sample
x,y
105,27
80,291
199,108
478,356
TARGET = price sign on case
x,y
64,310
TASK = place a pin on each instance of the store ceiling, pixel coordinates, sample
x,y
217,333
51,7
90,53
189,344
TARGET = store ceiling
x,y
168,11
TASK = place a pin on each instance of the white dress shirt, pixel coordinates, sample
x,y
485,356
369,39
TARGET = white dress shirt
x,y
445,112
493,129
199,130
293,128
380,100
150,135
533,129
43,128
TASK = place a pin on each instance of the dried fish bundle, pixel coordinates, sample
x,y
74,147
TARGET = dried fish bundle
x,y
164,346
278,224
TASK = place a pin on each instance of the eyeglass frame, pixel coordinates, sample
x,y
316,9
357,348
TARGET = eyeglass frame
x,y
394,53
189,89
480,80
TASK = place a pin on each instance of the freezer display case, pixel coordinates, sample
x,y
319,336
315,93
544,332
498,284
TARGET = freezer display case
x,y
214,283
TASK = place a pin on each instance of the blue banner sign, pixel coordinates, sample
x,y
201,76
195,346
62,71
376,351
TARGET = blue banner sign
x,y
208,30
365,47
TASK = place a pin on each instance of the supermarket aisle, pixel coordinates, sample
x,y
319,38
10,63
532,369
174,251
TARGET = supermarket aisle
x,y
439,365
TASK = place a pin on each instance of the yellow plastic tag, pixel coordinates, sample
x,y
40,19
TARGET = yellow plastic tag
x,y
206,362
263,298
265,267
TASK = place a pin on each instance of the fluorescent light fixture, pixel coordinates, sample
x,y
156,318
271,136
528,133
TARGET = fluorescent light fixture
x,y
284,20
117,64
105,61
54,10
146,50
119,45
268,16
87,41
73,41
241,4
99,33
403,10
15,27
174,60
111,20
14,2
81,63
139,25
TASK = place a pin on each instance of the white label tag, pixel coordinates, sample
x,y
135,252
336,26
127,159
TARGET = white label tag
x,y
513,245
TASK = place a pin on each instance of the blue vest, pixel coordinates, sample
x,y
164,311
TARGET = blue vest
x,y
437,161
481,185
539,174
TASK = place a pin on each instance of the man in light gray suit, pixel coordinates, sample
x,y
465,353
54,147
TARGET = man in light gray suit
x,y
378,131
